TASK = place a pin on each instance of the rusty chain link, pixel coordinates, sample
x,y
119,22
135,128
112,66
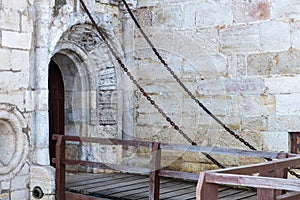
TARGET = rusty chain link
x,y
141,89
236,136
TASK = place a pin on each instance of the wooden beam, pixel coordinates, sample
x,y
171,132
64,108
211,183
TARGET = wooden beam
x,y
72,196
180,175
223,151
205,190
154,180
262,167
60,171
253,181
108,166
289,196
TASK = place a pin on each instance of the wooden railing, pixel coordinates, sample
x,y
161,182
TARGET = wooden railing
x,y
270,179
154,171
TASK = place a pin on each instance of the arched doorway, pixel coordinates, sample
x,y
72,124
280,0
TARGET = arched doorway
x,y
56,105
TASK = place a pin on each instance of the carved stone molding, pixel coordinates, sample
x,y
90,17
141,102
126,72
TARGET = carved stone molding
x,y
84,36
14,145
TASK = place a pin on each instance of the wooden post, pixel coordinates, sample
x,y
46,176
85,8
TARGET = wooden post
x,y
206,191
154,180
60,175
281,173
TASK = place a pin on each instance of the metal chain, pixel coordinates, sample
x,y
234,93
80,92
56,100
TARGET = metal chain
x,y
141,89
236,136
181,83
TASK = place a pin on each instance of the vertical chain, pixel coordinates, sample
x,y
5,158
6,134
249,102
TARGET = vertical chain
x,y
141,89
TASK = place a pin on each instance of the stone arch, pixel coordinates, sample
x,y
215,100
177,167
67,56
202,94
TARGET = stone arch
x,y
91,88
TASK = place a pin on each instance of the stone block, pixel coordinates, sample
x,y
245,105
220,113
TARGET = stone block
x,y
146,3
257,105
286,9
44,177
5,185
295,34
14,97
283,85
285,123
275,36
4,57
41,156
144,15
240,39
29,100
9,19
276,141
211,87
188,16
250,85
197,167
288,104
14,81
20,182
16,195
4,196
279,63
168,16
20,60
16,40
26,24
14,4
213,13
249,11
237,65
257,123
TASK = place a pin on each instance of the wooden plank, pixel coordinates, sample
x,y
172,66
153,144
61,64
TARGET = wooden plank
x,y
98,180
289,196
252,181
120,183
72,196
229,192
222,151
190,195
132,185
205,190
261,167
179,175
60,175
90,187
178,147
108,166
154,167
175,192
105,141
132,192
239,195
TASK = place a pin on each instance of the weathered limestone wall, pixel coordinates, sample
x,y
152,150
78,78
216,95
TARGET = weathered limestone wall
x,y
31,33
16,97
240,58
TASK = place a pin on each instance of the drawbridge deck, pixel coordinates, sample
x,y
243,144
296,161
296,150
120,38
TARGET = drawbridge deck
x,y
129,187
269,178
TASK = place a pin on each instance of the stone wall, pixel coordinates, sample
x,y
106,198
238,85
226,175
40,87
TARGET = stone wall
x,y
16,97
240,59
31,34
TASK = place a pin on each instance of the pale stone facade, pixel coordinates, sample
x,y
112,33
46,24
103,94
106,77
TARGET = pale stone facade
x,y
240,58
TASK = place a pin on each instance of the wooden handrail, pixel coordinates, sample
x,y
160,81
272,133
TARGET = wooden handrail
x,y
270,183
177,147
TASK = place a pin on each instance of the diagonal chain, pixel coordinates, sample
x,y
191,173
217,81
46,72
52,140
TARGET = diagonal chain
x,y
141,89
236,136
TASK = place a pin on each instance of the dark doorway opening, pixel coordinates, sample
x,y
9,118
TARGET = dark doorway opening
x,y
56,106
